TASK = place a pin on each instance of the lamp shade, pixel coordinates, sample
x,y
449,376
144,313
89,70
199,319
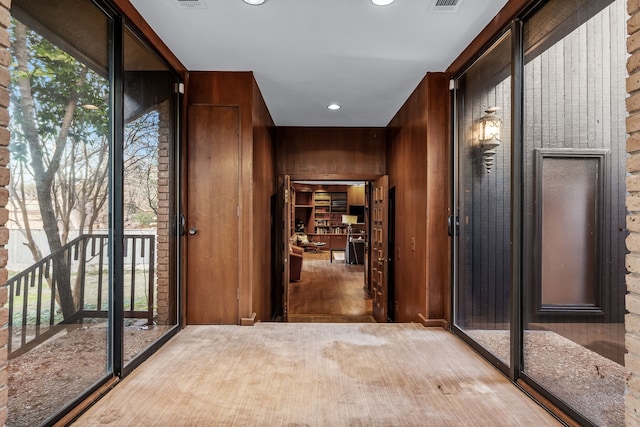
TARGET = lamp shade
x,y
489,127
349,219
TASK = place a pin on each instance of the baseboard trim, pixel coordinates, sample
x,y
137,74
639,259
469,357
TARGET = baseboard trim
x,y
248,321
433,323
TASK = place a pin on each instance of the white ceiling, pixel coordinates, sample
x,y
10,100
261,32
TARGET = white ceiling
x,y
306,54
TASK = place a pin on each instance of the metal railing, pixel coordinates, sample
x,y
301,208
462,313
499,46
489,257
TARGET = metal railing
x,y
35,318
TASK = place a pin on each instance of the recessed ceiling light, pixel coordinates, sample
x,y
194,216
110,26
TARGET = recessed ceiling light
x,y
333,107
254,2
382,2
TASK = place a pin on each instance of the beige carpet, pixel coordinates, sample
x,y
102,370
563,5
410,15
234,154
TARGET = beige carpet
x,y
305,374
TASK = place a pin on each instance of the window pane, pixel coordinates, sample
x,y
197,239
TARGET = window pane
x,y
574,102
482,304
149,282
58,265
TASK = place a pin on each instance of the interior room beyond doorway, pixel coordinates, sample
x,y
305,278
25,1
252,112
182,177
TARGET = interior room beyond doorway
x,y
329,222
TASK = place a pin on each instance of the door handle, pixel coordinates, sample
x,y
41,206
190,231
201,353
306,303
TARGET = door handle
x,y
183,225
453,225
193,231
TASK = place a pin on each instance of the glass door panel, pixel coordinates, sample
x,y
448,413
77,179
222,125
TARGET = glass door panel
x,y
574,204
150,296
58,211
482,293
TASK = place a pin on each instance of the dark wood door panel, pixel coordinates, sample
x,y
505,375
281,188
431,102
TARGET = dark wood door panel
x,y
212,209
380,247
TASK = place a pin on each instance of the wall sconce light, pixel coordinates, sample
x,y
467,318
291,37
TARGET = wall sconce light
x,y
489,127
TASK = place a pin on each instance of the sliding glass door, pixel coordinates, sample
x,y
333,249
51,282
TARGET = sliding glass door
x,y
540,195
574,203
482,297
92,204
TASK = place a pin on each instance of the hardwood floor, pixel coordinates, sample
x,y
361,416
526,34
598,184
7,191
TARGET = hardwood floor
x,y
329,292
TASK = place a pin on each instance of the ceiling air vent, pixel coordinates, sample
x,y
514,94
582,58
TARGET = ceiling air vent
x,y
191,4
446,5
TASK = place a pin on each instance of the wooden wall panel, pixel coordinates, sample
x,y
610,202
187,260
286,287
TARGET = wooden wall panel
x,y
438,197
418,168
355,195
221,88
330,153
407,173
264,188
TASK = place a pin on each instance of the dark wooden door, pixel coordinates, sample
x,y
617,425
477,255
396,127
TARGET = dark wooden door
x,y
380,247
212,215
367,245
287,209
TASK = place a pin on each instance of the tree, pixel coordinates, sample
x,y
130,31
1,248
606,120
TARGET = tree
x,y
141,166
60,141
49,86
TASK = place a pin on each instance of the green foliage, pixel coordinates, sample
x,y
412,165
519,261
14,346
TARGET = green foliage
x,y
54,76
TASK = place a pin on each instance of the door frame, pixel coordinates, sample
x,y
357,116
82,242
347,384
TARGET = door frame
x,y
282,238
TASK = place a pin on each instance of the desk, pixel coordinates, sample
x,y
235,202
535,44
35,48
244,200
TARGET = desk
x,y
354,253
333,241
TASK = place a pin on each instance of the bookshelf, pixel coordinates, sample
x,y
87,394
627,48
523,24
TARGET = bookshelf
x,y
328,210
319,209
303,208
322,212
338,208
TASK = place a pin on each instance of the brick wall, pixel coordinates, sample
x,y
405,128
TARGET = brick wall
x,y
632,319
5,57
162,251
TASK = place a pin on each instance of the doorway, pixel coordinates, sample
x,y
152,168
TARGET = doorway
x,y
329,224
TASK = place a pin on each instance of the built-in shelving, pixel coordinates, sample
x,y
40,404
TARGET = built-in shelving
x,y
318,211
303,209
328,210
